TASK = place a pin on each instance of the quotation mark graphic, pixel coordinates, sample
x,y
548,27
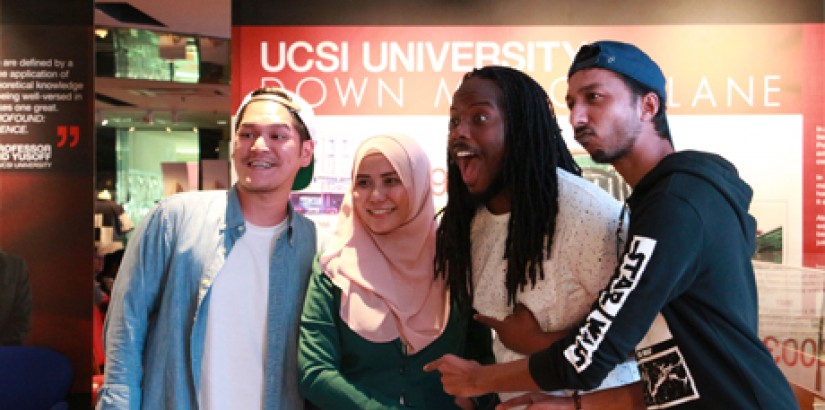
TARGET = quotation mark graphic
x,y
64,132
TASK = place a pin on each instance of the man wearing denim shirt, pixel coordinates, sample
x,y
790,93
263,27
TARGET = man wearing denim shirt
x,y
205,309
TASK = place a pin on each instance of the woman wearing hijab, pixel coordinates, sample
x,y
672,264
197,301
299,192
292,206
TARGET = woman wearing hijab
x,y
374,312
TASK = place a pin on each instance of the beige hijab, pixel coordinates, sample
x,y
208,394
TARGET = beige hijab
x,y
387,285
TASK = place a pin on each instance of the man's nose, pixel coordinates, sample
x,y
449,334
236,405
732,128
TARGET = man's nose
x,y
458,130
578,115
260,143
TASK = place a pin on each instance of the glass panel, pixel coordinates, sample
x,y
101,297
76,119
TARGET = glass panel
x,y
148,55
140,155
214,58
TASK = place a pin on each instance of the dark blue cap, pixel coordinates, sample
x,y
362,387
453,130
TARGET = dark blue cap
x,y
622,58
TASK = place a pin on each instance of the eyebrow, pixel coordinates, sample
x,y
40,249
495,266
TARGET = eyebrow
x,y
265,125
584,88
386,174
483,103
590,86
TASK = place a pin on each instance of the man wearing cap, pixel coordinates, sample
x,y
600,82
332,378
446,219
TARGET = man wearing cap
x,y
205,309
684,295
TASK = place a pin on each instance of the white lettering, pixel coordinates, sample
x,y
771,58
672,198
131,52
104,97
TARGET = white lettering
x,y
703,92
771,90
733,86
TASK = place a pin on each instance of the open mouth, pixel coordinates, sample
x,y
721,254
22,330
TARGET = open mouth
x,y
463,156
462,151
259,164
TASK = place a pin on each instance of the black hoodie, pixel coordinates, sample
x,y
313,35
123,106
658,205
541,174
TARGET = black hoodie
x,y
684,298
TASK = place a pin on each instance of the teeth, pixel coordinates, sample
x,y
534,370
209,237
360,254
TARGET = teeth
x,y
380,211
258,164
462,154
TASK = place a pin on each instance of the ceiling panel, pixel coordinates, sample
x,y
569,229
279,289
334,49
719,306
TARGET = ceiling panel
x,y
167,104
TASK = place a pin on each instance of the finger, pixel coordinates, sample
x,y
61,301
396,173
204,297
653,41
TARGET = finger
x,y
487,321
437,364
433,365
521,309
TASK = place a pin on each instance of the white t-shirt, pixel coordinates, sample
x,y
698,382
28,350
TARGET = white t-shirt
x,y
582,260
232,370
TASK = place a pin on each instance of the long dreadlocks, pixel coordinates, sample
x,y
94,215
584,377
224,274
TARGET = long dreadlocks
x,y
534,149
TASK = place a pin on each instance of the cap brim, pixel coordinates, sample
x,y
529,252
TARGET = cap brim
x,y
304,176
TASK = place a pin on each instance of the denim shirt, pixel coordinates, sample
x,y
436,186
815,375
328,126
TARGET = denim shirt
x,y
156,322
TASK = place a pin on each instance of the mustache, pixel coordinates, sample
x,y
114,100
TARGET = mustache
x,y
454,148
582,131
458,146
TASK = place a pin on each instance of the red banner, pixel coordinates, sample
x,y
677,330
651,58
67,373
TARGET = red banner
x,y
414,70
813,161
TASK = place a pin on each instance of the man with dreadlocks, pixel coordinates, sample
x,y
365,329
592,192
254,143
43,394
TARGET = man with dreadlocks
x,y
524,240
684,295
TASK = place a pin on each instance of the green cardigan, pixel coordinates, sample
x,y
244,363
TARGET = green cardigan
x,y
340,370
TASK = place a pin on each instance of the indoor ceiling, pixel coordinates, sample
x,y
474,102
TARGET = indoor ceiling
x,y
161,104
203,105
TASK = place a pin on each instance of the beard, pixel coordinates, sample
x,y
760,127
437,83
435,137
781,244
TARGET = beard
x,y
626,139
462,193
495,188
604,157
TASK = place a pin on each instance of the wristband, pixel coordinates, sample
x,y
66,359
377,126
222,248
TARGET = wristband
x,y
577,400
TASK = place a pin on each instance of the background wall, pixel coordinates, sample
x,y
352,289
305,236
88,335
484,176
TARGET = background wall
x,y
46,204
527,12
700,44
